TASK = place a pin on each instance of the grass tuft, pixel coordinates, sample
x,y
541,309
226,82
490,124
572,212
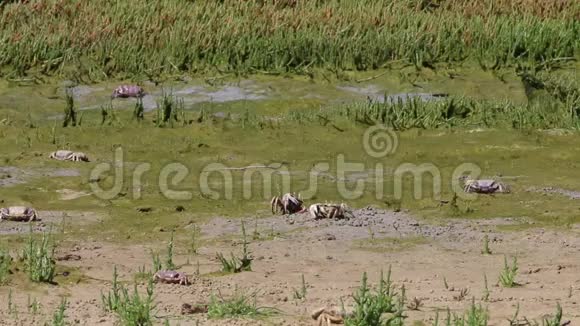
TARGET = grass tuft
x,y
240,305
507,277
38,258
369,307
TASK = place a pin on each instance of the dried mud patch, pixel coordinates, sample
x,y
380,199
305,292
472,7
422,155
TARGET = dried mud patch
x,y
10,175
50,220
572,194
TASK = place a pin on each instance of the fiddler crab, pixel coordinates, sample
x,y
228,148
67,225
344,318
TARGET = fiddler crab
x,y
18,213
327,316
335,211
172,277
289,203
126,91
484,186
64,155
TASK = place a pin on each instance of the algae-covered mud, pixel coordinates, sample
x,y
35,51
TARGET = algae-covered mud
x,y
379,105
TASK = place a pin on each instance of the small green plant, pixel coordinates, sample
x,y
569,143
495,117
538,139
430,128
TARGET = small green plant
x,y
58,318
240,305
475,316
371,233
445,283
70,114
195,233
143,274
514,320
169,261
139,110
555,320
507,277
132,309
486,293
33,307
10,302
486,250
167,110
157,266
53,134
38,258
370,307
301,294
256,234
5,264
112,299
237,265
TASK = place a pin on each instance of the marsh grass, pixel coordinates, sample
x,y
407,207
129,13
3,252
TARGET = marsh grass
x,y
370,306
33,306
169,110
486,250
239,305
476,315
169,264
136,309
300,294
126,38
156,262
139,110
507,277
195,240
486,292
551,320
131,308
38,258
70,112
235,264
59,318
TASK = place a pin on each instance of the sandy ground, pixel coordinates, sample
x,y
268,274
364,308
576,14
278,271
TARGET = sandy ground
x,y
332,256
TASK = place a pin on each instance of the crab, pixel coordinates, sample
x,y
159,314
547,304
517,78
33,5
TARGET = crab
x,y
327,210
18,213
126,91
64,155
484,186
171,277
288,204
327,316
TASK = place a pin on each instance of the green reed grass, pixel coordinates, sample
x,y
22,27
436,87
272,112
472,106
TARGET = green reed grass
x,y
103,39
